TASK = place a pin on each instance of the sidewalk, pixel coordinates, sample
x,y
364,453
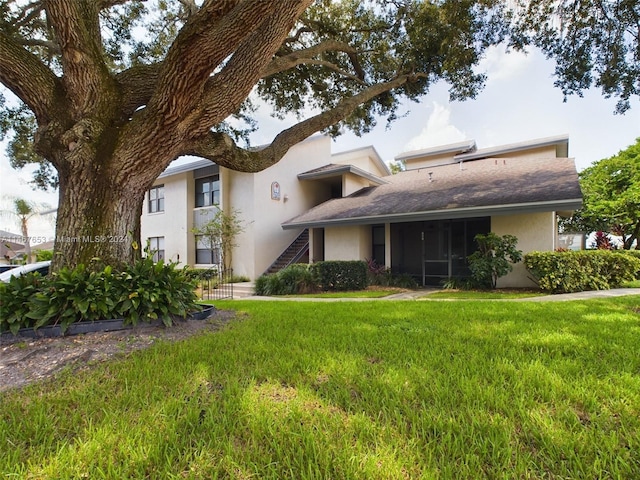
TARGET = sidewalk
x,y
417,294
562,297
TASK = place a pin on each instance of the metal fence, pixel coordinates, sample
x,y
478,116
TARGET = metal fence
x,y
215,284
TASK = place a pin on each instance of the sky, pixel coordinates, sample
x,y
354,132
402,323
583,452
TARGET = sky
x,y
518,103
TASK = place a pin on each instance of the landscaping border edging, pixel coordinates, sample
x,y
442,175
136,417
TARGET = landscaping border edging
x,y
79,328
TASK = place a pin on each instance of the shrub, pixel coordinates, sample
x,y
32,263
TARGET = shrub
x,y
493,258
341,275
152,291
382,276
563,272
302,278
14,299
268,285
292,280
43,255
144,291
458,283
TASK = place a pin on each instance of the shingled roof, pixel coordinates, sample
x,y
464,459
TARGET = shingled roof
x,y
470,189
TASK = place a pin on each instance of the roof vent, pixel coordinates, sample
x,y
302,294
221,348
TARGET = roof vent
x,y
430,176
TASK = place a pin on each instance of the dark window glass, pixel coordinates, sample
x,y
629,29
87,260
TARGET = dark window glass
x,y
208,191
156,199
378,245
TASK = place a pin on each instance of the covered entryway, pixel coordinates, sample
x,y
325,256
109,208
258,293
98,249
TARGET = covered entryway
x,y
433,251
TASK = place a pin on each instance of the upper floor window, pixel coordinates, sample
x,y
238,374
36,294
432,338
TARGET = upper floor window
x,y
208,191
156,199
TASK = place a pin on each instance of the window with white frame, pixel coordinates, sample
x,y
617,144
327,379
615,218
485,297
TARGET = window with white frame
x,y
156,199
156,246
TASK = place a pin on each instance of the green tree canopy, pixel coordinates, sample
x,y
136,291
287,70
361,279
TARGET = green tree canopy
x,y
594,43
611,190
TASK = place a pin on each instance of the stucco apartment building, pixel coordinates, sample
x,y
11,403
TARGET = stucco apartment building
x,y
348,206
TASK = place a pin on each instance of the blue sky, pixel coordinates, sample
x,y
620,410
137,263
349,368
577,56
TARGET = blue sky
x,y
519,103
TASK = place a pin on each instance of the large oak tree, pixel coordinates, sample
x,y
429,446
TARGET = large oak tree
x,y
112,91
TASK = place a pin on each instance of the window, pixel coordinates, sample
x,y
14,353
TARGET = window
x,y
206,254
378,244
156,199
208,191
156,246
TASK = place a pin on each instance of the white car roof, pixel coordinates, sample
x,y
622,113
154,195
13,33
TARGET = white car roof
x,y
22,269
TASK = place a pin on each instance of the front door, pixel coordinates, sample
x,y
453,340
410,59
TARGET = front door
x,y
436,248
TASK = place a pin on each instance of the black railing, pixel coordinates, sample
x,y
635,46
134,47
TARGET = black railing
x,y
215,284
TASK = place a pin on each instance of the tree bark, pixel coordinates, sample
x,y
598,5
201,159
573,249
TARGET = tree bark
x,y
97,219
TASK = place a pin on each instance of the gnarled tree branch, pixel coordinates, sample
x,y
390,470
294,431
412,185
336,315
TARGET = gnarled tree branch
x,y
205,41
286,62
137,85
86,77
225,92
221,149
28,78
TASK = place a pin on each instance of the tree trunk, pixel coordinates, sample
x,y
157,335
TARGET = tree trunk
x,y
98,219
27,239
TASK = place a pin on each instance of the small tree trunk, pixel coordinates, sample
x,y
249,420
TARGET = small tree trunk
x,y
27,240
98,219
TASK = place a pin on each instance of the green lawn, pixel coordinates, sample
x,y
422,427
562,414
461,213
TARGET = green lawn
x,y
351,294
482,294
380,390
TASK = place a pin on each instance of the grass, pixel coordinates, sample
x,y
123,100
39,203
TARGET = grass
x,y
482,294
369,293
363,390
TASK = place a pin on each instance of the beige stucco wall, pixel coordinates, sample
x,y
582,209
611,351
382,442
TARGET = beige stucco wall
x,y
264,239
172,224
347,243
352,183
366,158
535,231
431,161
548,151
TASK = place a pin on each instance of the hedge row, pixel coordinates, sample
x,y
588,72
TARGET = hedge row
x,y
144,291
564,272
320,276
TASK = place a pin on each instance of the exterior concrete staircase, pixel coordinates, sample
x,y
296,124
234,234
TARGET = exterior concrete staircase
x,y
294,252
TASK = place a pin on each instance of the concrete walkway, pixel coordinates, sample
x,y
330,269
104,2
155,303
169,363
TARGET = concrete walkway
x,y
417,294
562,297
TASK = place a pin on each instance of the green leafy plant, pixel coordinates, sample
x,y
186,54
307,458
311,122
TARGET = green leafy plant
x,y
562,272
292,280
382,276
14,298
42,255
144,291
341,275
493,258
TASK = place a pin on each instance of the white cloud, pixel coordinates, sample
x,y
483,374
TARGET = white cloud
x,y
502,65
438,131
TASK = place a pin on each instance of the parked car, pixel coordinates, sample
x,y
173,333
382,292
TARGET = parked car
x,y
41,267
4,268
